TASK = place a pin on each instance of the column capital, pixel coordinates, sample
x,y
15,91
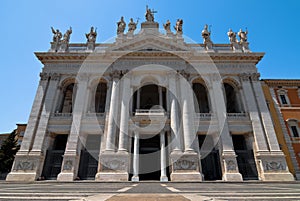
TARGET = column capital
x,y
44,76
54,76
183,73
255,76
116,74
245,77
83,77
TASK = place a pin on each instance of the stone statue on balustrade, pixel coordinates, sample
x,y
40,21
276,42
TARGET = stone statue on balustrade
x,y
233,40
65,41
178,26
167,27
121,26
57,35
132,26
56,41
244,40
206,38
149,15
91,39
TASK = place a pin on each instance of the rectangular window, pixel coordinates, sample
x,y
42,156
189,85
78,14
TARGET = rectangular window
x,y
283,99
295,131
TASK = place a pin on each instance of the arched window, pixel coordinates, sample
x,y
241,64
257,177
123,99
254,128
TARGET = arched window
x,y
100,97
201,102
68,99
232,105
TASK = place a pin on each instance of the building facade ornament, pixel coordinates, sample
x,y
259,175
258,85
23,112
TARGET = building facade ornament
x,y
206,38
121,25
178,27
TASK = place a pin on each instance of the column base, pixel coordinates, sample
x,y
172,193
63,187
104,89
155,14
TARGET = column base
x,y
186,176
112,176
66,176
232,177
273,167
135,178
277,177
22,176
164,179
26,167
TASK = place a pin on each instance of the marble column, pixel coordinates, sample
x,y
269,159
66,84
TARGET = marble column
x,y
136,146
175,124
270,160
187,116
123,135
113,109
71,156
228,156
163,160
138,98
258,131
35,114
31,151
186,165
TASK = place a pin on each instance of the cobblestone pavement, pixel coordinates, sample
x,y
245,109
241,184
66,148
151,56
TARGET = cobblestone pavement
x,y
148,191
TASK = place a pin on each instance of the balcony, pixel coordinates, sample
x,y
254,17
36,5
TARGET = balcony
x,y
150,112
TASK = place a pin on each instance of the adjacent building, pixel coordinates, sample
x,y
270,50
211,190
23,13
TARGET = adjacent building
x,y
150,106
283,97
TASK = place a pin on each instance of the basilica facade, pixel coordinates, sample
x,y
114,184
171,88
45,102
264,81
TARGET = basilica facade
x,y
149,106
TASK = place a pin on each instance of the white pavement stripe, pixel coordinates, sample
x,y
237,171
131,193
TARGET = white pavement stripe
x,y
124,189
99,197
164,185
173,189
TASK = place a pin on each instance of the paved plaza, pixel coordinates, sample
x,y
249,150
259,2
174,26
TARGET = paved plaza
x,y
148,191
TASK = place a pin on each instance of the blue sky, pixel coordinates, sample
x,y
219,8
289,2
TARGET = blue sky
x,y
273,28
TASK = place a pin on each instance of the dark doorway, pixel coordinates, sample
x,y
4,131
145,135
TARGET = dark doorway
x,y
88,165
149,158
210,159
245,158
54,157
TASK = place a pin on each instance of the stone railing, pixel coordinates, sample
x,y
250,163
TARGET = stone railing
x,y
64,115
147,112
204,116
237,116
98,115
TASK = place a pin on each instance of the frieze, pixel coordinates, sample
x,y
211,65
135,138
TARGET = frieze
x,y
113,164
68,165
231,166
185,163
132,64
274,166
24,165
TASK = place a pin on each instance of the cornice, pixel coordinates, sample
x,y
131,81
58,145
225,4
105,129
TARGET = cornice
x,y
189,56
282,82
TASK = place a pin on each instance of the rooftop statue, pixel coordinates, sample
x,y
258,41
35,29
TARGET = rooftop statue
x,y
67,35
149,15
132,25
178,26
91,37
121,26
232,36
167,26
206,37
57,35
243,35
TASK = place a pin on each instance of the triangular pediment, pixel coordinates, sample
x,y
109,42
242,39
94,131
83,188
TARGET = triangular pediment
x,y
150,43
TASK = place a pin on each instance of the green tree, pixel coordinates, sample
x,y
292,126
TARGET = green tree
x,y
8,151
